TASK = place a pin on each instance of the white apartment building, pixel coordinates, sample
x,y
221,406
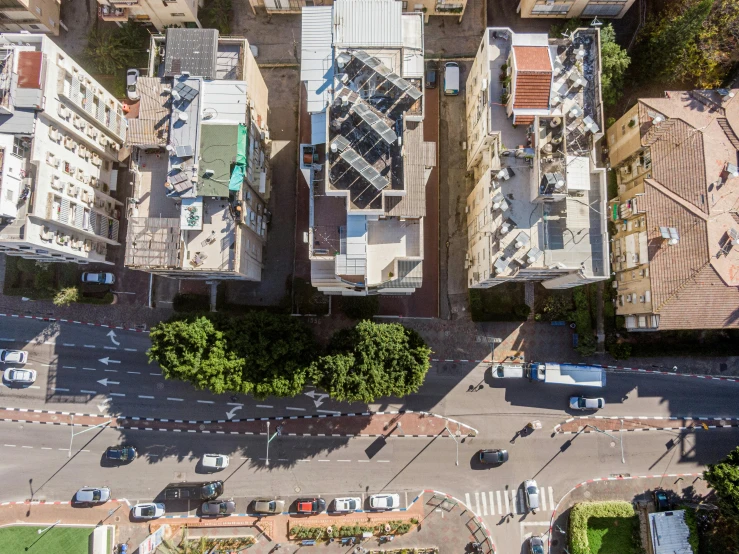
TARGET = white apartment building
x,y
201,159
60,141
538,209
157,13
367,164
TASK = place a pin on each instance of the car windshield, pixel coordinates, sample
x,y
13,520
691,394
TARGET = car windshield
x,y
147,511
581,402
132,87
272,506
209,489
350,504
223,507
537,549
96,495
532,490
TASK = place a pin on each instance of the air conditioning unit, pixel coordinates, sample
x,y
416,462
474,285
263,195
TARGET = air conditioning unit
x,y
629,298
641,299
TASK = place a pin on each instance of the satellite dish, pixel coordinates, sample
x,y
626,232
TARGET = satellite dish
x,y
182,116
176,96
208,173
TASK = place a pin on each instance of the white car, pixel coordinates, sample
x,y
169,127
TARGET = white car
x,y
13,356
532,494
582,403
20,376
99,278
384,501
132,77
147,511
347,505
214,462
92,495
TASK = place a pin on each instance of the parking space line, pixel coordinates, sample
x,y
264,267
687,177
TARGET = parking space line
x,y
111,370
543,500
116,394
88,391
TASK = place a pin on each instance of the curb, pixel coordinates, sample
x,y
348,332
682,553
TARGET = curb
x,y
91,324
57,502
606,479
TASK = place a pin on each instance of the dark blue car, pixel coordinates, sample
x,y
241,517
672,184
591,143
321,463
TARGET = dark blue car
x,y
120,454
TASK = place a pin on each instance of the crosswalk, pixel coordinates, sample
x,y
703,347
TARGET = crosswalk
x,y
506,501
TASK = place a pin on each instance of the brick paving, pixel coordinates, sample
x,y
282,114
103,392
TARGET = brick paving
x,y
629,423
397,424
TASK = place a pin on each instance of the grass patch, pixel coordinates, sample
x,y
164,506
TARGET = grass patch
x,y
504,302
612,535
59,540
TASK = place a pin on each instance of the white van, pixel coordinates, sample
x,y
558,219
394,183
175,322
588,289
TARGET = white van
x,y
451,79
502,371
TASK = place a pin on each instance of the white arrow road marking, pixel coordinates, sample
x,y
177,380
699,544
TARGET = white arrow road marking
x,y
107,360
232,412
106,382
320,396
102,406
112,337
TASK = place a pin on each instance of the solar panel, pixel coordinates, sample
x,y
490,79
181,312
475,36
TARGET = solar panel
x,y
387,134
186,92
183,151
372,62
377,124
361,166
341,142
414,93
398,81
349,156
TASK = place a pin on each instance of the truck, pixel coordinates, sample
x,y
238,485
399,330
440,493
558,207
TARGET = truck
x,y
568,374
208,490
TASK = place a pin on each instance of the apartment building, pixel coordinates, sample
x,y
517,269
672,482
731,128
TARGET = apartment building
x,y
538,208
453,8
367,165
567,9
60,142
158,13
34,16
201,157
675,246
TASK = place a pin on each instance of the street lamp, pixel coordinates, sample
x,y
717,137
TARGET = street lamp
x,y
269,439
69,454
57,522
455,440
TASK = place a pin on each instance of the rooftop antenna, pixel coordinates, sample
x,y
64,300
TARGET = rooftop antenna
x,y
595,22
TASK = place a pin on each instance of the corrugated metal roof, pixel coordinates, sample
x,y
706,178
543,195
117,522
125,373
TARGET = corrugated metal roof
x,y
366,23
669,533
21,122
316,59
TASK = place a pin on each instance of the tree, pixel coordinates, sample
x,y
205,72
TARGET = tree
x,y
373,360
614,62
259,353
692,40
66,296
360,307
723,477
111,51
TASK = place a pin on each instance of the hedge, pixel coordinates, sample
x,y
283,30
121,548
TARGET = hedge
x,y
582,512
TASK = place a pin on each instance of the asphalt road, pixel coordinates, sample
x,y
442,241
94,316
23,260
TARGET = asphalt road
x,y
35,462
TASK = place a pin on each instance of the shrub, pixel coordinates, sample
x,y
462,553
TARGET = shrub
x,y
403,528
582,512
66,296
107,298
522,311
360,307
188,302
620,350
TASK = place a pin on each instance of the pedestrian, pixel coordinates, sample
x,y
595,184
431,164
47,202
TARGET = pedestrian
x,y
513,440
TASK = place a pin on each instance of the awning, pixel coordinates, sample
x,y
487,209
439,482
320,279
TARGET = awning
x,y
239,170
318,128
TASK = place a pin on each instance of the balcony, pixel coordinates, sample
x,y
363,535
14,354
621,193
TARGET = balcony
x,y
110,13
73,90
449,9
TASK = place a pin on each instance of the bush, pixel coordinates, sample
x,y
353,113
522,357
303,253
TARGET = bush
x,y
692,522
557,306
360,307
403,528
66,296
620,350
582,512
108,298
583,322
522,311
188,302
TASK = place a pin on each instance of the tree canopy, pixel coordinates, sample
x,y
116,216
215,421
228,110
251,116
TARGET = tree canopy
x,y
692,40
259,353
723,477
373,360
614,62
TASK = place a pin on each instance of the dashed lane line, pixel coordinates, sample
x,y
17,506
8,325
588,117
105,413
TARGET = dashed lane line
x,y
130,349
134,372
89,368
264,406
146,396
88,391
296,409
116,394
208,402
89,346
176,399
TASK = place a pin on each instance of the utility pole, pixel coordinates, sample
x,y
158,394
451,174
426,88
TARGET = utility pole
x,y
69,453
270,439
455,440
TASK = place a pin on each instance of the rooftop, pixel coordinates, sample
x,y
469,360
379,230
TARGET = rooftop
x,y
218,147
191,51
669,532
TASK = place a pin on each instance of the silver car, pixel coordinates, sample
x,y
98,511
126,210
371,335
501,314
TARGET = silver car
x,y
92,495
347,504
218,508
582,403
20,376
532,494
132,77
13,356
149,510
99,278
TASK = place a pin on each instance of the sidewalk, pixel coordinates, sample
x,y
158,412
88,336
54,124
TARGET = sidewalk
x,y
630,423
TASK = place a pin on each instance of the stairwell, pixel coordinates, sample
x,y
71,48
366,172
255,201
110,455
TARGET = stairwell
x,y
728,131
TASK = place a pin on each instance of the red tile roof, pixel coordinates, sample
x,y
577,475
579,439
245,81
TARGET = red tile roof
x,y
532,58
532,90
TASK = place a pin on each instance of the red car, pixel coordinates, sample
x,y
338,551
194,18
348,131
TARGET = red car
x,y
311,505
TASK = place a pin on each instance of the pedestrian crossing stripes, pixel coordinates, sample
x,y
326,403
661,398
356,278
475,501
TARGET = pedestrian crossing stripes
x,y
490,503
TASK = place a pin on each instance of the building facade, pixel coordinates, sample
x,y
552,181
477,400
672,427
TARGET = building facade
x,y
34,16
157,13
201,160
567,9
674,252
538,208
61,135
453,8
367,164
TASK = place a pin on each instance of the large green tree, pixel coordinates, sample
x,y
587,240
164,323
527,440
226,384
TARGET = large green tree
x,y
259,353
373,360
723,477
614,62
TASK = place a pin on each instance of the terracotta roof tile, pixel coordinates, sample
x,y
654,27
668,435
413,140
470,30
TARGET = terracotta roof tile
x,y
532,90
532,58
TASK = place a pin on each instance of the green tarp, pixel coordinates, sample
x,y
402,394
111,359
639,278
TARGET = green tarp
x,y
239,170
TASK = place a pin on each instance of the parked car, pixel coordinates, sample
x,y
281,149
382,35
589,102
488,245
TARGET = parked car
x,y
121,454
582,403
536,545
347,504
147,511
19,376
431,78
132,77
99,278
493,456
214,462
384,501
451,78
218,507
311,505
661,503
269,506
13,356
92,495
532,494
209,490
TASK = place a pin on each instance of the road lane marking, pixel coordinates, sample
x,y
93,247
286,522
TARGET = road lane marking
x,y
176,399
146,396
295,409
500,506
69,367
8,340
154,373
484,505
327,411
551,498
507,504
89,391
206,402
363,461
89,346
543,500
10,445
34,387
46,448
67,344
383,461
343,460
59,388
130,350
89,369
264,406
134,372
520,501
116,394
110,348
111,370
26,446
324,460
492,506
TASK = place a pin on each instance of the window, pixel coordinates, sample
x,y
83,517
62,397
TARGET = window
x,y
405,6
168,2
550,8
178,15
610,9
35,27
38,10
